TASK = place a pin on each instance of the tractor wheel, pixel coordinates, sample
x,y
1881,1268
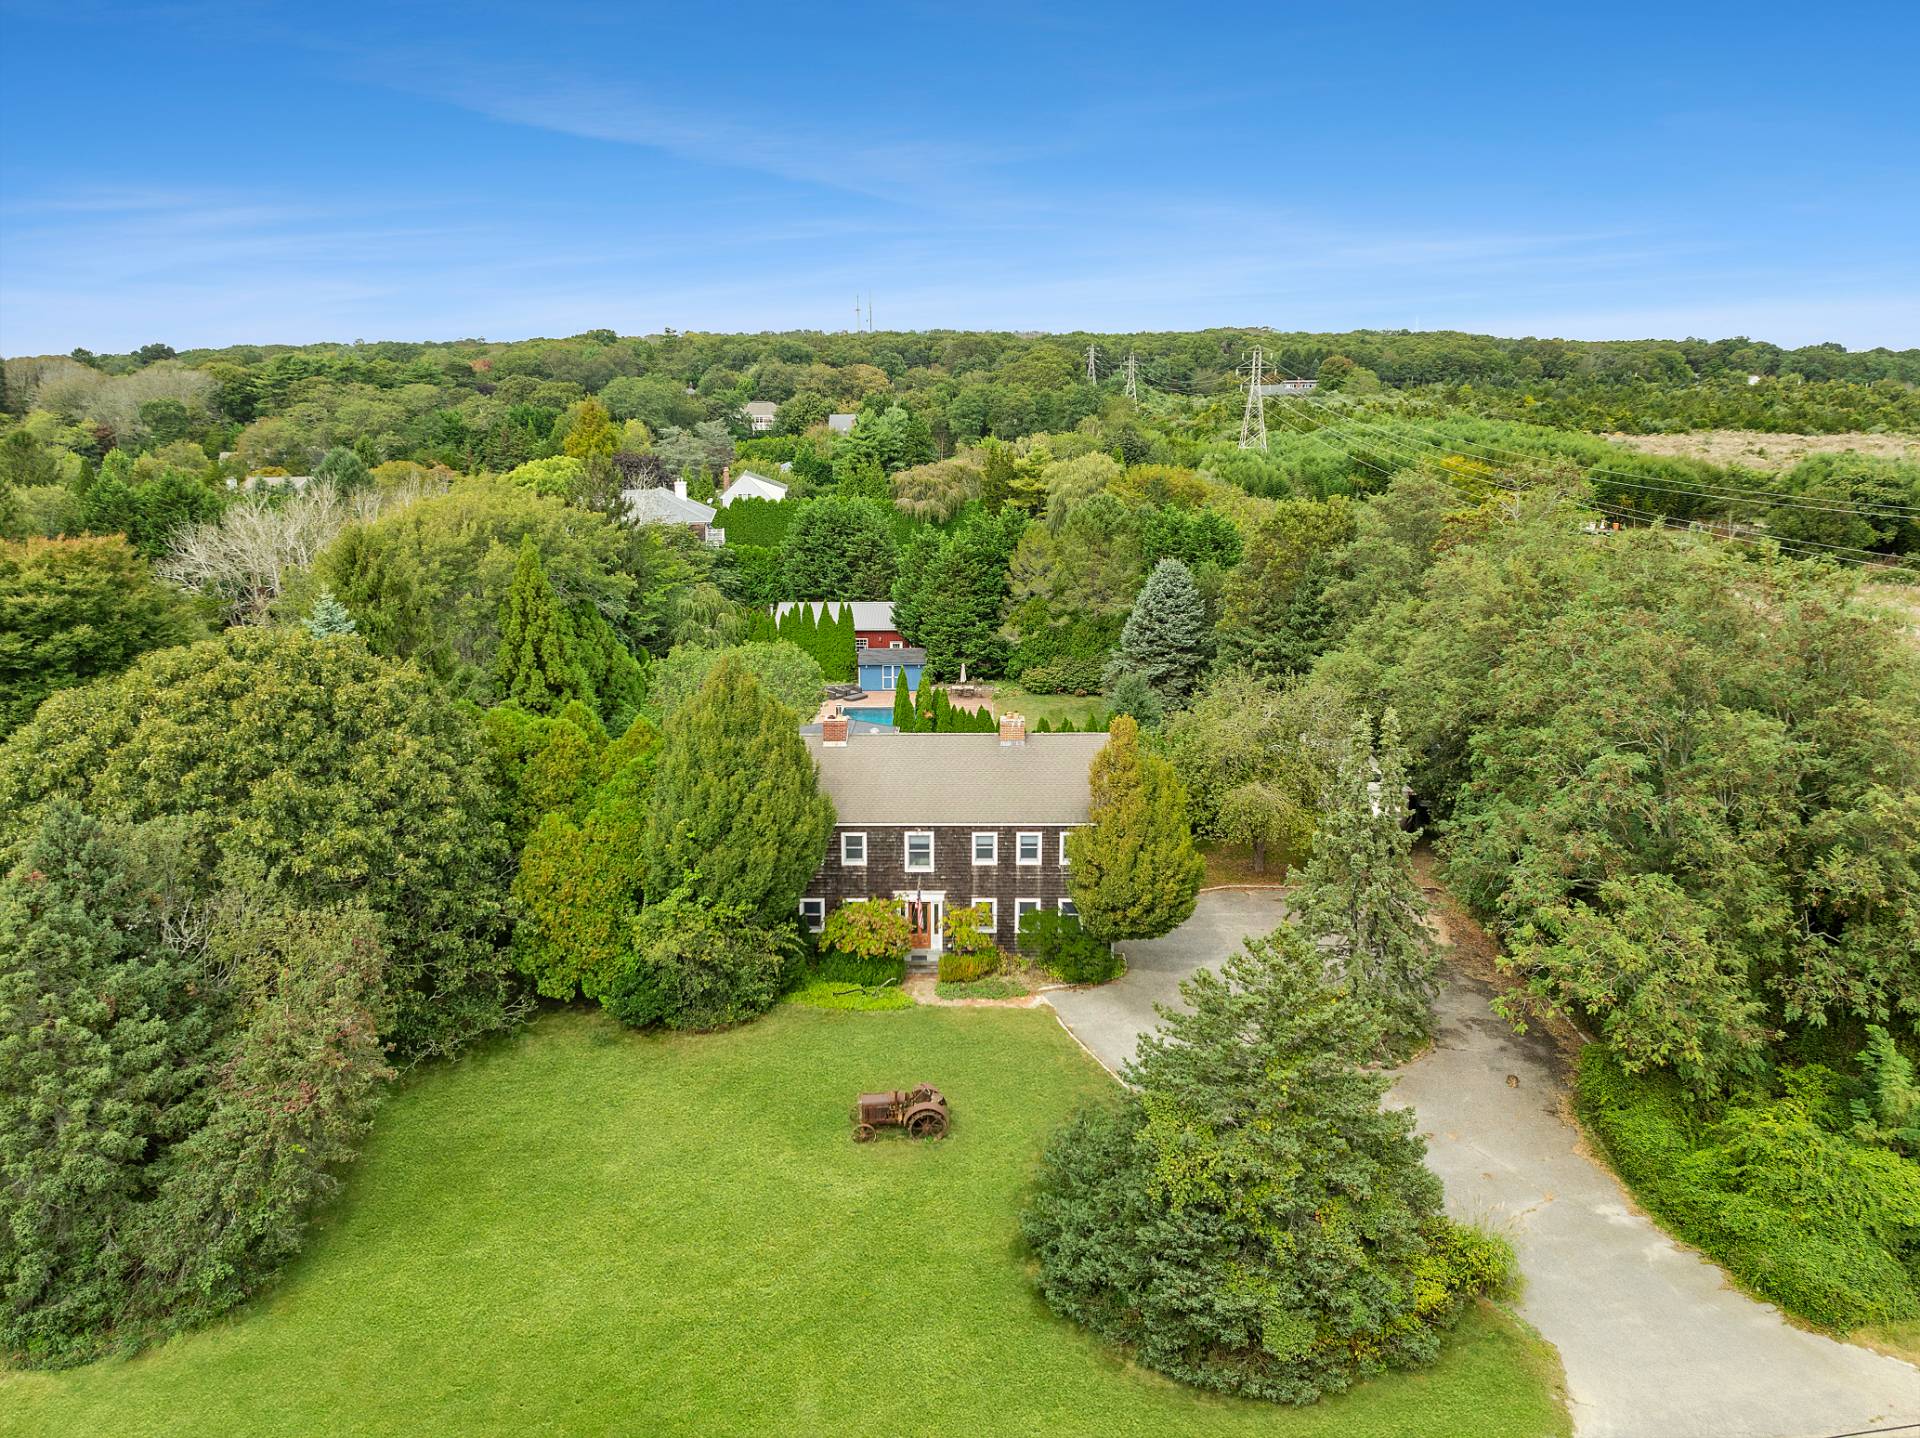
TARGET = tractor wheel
x,y
863,1133
928,1123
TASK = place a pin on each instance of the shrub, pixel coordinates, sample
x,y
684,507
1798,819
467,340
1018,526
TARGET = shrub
x,y
697,965
970,951
868,973
1806,1216
1065,676
1058,944
865,942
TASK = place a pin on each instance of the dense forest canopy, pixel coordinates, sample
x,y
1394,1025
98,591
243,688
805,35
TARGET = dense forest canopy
x,y
340,686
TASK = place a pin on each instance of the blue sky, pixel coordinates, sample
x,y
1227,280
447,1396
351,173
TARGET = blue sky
x,y
222,173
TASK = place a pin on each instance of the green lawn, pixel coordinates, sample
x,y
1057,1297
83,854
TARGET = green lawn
x,y
582,1230
1010,697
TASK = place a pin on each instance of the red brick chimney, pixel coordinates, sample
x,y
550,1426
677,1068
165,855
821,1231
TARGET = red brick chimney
x,y
833,732
1013,729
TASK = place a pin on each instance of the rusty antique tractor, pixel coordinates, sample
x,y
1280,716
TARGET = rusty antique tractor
x,y
921,1111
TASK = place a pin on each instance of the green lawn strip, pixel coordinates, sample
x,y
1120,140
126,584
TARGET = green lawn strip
x,y
1009,697
833,994
584,1230
990,988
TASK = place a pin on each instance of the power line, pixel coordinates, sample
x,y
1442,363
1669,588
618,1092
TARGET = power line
x,y
1253,421
1093,367
1133,384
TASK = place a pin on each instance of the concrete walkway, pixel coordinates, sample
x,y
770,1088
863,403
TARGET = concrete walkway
x,y
1655,1342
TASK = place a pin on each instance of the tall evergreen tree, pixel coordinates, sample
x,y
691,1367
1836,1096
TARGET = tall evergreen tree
x,y
1135,872
1360,894
839,665
1248,1217
950,594
1166,637
737,799
538,666
102,1055
903,708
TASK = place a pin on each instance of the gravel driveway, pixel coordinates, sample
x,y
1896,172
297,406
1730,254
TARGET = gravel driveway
x,y
1656,1344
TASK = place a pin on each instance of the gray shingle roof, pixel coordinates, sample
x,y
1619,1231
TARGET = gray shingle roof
x,y
905,654
957,778
663,506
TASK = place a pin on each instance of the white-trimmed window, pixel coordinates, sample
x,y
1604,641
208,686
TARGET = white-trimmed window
x,y
1021,908
1026,847
813,914
1064,860
992,906
986,847
919,851
853,850
1068,909
858,642
889,676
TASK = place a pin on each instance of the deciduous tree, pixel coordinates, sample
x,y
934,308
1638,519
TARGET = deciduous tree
x,y
72,610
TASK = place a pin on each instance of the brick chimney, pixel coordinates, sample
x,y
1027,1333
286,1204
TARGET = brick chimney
x,y
1013,729
833,732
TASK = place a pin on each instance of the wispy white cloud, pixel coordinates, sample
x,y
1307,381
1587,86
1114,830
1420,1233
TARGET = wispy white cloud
x,y
720,130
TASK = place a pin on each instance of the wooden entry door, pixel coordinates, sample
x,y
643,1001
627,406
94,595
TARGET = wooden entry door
x,y
923,921
920,921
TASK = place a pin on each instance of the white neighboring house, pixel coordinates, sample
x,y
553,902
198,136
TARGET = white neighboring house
x,y
841,423
760,414
664,506
753,486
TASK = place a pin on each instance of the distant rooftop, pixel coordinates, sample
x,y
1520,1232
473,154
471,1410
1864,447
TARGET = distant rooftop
x,y
663,506
871,614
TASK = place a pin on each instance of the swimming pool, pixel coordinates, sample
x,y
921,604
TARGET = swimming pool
x,y
872,716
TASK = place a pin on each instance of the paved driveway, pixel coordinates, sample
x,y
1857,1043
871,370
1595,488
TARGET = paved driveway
x,y
1655,1343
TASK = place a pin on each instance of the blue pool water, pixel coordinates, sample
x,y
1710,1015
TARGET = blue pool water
x,y
872,716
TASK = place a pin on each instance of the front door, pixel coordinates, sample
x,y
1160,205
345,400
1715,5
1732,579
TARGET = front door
x,y
923,922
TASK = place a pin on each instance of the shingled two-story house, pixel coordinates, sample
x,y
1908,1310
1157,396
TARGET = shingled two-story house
x,y
946,820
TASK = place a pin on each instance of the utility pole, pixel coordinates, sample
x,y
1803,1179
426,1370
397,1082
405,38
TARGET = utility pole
x,y
1093,369
1133,380
869,311
1253,423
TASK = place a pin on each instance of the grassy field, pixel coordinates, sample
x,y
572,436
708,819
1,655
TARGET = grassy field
x,y
581,1230
1756,449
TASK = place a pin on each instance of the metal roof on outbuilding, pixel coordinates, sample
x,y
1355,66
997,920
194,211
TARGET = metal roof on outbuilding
x,y
873,614
957,778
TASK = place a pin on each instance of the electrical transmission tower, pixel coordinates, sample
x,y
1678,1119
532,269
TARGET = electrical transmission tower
x,y
1253,423
1093,368
1133,379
